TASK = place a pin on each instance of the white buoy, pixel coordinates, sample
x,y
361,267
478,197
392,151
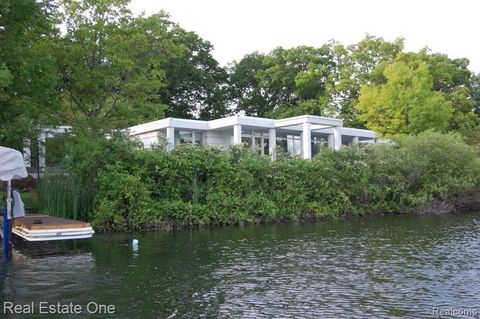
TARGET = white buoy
x,y
135,244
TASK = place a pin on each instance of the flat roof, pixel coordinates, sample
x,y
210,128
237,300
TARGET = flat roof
x,y
318,123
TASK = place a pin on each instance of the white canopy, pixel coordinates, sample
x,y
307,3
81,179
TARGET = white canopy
x,y
11,164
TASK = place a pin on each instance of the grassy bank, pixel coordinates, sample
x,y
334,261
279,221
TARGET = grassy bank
x,y
203,186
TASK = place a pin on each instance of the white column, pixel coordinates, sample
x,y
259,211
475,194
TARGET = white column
x,y
337,137
41,151
272,142
237,134
331,144
27,152
355,141
262,145
170,138
306,141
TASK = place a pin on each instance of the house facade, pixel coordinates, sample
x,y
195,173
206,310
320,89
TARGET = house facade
x,y
299,135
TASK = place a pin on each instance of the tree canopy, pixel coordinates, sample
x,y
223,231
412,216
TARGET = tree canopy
x,y
108,64
195,82
406,103
284,82
27,74
92,64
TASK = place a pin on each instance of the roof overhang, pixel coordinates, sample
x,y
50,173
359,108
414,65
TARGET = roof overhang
x,y
318,124
358,132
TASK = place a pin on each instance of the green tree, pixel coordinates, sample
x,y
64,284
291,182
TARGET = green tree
x,y
27,71
110,64
357,64
5,81
453,78
244,88
307,80
282,83
475,91
406,103
195,82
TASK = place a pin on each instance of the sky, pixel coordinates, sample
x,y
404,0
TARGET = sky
x,y
239,27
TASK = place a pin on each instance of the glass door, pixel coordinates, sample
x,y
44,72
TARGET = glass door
x,y
258,143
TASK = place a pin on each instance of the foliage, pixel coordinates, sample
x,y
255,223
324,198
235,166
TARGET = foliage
x,y
117,69
195,82
61,195
284,82
474,87
406,103
197,185
358,64
444,164
85,153
110,69
454,80
108,65
328,81
472,135
27,72
307,80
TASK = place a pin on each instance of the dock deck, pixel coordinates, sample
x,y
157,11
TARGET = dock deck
x,y
43,228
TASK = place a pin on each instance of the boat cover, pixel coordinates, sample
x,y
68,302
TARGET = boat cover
x,y
11,164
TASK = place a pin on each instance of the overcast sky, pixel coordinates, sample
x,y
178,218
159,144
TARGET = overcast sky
x,y
238,27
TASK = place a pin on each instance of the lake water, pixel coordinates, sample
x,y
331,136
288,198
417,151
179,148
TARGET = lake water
x,y
399,266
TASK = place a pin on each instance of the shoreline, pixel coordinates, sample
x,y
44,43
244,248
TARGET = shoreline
x,y
466,202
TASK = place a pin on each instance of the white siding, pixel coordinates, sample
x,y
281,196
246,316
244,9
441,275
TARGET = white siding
x,y
227,137
212,138
218,138
148,139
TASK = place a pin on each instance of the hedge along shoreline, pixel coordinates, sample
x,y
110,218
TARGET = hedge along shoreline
x,y
203,186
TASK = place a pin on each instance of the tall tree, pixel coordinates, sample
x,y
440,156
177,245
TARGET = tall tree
x,y
195,82
304,73
245,91
27,71
109,62
357,64
282,83
453,78
306,80
474,87
406,103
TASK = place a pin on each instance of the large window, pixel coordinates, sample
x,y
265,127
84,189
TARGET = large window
x,y
291,144
317,143
198,138
266,150
257,140
188,137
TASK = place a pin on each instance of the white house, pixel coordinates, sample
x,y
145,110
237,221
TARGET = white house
x,y
299,135
296,135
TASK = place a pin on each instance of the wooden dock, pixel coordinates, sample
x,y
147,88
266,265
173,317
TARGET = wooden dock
x,y
43,228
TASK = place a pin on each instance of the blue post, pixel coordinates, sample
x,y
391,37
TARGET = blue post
x,y
6,239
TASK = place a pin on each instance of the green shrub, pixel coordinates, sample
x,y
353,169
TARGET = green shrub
x,y
87,153
195,186
61,195
441,165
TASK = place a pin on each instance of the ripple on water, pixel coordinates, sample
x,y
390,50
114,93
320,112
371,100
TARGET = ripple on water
x,y
386,267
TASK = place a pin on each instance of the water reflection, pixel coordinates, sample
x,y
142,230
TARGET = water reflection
x,y
386,267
